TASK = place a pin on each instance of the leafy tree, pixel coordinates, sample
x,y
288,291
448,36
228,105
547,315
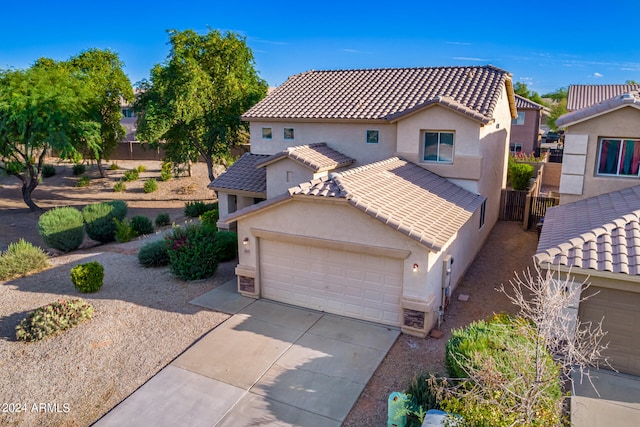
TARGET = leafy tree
x,y
521,89
101,71
42,108
558,95
194,100
556,111
631,82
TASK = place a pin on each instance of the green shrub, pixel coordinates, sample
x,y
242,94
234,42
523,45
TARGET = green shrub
x,y
141,225
519,175
62,228
154,254
162,219
78,169
150,185
83,181
87,277
165,171
141,168
226,246
504,349
48,171
210,218
131,175
197,208
53,318
98,218
124,232
20,259
119,187
192,252
114,167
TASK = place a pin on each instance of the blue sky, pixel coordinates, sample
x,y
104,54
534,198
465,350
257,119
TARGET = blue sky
x,y
546,45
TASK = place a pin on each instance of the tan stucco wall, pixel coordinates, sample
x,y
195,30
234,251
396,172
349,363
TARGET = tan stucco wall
x,y
277,176
347,138
622,123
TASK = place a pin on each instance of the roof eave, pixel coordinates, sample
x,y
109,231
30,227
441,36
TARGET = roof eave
x,y
570,121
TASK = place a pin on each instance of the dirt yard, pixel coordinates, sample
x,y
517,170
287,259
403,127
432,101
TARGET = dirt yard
x,y
16,220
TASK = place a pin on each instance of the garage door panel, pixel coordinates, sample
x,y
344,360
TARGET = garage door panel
x,y
621,312
354,284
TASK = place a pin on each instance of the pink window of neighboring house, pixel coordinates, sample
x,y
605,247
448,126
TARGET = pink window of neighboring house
x,y
619,157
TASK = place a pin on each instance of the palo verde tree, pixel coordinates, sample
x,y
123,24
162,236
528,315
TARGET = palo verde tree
x,y
101,71
41,108
194,100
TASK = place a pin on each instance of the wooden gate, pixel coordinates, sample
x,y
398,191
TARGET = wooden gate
x,y
519,206
538,209
512,205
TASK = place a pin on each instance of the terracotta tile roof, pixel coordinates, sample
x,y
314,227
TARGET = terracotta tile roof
x,y
628,98
523,103
318,157
243,176
598,233
583,96
384,94
408,198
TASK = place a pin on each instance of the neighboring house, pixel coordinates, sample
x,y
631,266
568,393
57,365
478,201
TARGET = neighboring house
x,y
525,129
367,193
128,120
597,240
601,147
583,96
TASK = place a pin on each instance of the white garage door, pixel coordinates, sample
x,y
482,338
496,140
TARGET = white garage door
x,y
352,284
621,311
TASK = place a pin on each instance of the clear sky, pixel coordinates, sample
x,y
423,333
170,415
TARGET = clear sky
x,y
545,44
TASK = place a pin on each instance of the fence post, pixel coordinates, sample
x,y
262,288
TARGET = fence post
x,y
527,212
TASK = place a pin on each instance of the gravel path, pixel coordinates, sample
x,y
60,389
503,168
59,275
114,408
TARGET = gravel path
x,y
142,321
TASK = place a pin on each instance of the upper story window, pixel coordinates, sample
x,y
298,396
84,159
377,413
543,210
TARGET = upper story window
x,y
518,120
267,133
618,157
438,147
373,136
288,133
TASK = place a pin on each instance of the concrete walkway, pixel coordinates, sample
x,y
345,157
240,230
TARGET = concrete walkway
x,y
269,364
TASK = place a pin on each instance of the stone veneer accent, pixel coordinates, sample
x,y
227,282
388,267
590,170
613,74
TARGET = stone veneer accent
x,y
247,284
413,318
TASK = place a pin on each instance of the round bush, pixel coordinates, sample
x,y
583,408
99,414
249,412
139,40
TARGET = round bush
x,y
192,252
20,259
131,175
141,225
79,169
519,175
48,171
162,219
62,228
154,254
87,277
210,218
226,246
119,187
83,181
150,185
98,218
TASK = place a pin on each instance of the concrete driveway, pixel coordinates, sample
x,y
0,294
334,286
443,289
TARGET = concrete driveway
x,y
269,364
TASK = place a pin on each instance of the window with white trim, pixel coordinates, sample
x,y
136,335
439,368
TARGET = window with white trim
x,y
437,146
288,133
373,136
267,133
515,148
618,157
518,120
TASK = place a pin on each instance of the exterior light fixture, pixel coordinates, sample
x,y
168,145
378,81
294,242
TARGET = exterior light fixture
x,y
245,241
415,267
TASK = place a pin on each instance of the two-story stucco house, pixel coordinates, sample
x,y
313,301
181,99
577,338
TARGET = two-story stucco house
x,y
525,128
595,232
367,193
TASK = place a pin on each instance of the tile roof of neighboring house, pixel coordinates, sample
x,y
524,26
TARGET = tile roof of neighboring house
x,y
318,157
406,197
583,96
385,93
626,99
243,176
523,103
599,233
